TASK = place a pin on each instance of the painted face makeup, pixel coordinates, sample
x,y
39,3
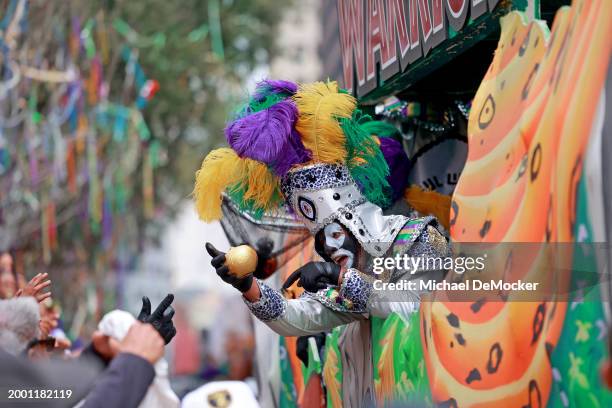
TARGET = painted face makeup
x,y
335,244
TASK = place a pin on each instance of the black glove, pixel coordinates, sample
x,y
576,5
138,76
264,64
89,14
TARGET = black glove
x,y
161,318
301,348
315,276
218,262
264,247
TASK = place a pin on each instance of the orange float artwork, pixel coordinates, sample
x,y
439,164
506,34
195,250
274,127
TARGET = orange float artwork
x,y
528,130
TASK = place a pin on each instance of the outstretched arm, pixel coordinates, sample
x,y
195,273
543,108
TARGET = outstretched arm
x,y
126,380
295,317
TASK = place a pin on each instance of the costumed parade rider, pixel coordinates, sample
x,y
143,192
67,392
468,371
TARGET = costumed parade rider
x,y
311,149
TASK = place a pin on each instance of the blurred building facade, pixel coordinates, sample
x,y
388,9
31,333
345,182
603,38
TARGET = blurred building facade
x,y
299,35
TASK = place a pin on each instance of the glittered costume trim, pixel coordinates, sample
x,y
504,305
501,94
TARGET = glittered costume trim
x,y
270,306
357,289
409,233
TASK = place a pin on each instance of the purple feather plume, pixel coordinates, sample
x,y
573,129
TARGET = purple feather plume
x,y
272,86
269,136
398,162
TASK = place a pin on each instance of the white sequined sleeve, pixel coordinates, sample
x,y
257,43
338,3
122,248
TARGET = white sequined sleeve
x,y
297,317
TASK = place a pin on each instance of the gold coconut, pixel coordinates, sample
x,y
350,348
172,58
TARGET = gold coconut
x,y
241,260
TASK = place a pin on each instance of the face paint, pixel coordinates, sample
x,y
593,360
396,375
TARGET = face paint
x,y
337,245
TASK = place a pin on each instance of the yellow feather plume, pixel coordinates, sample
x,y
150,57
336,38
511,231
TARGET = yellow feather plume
x,y
259,184
223,169
220,169
320,105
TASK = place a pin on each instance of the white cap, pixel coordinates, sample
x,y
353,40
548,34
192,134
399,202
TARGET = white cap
x,y
221,394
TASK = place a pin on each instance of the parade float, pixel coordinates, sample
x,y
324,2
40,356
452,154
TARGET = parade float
x,y
503,120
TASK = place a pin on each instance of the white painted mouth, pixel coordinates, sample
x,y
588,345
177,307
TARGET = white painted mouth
x,y
343,258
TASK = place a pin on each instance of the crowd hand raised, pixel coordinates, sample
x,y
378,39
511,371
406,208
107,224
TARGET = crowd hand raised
x,y
35,288
161,319
47,323
218,262
315,276
144,341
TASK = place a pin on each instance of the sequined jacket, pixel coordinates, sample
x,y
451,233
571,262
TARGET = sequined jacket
x,y
356,297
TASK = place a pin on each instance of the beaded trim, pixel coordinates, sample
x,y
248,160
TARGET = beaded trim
x,y
355,289
409,234
270,306
313,178
332,299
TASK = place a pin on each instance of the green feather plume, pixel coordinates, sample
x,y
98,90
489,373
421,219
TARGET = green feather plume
x,y
365,160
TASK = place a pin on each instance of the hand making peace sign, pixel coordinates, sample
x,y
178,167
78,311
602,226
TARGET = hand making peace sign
x,y
161,319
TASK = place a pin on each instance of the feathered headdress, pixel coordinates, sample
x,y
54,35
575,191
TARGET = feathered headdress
x,y
264,146
281,128
335,131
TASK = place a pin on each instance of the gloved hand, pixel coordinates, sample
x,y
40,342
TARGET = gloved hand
x,y
161,319
315,276
266,265
218,262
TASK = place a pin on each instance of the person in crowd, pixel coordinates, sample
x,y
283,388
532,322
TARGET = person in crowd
x,y
8,285
115,326
108,349
9,280
51,307
19,324
107,374
6,262
50,341
123,383
221,394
